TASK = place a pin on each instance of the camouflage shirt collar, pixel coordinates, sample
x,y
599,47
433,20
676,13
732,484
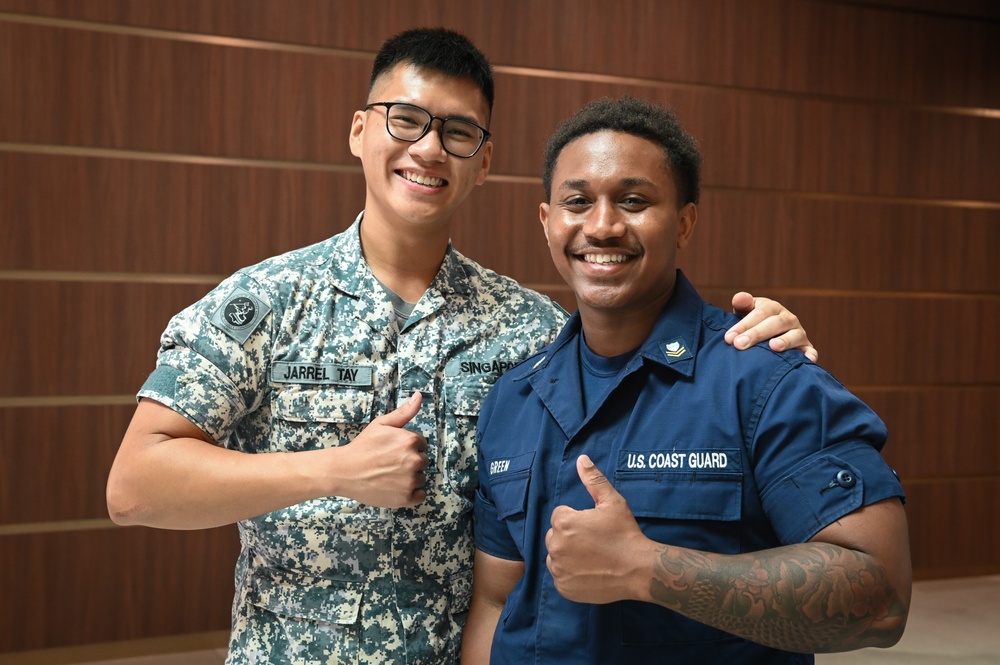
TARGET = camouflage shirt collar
x,y
353,276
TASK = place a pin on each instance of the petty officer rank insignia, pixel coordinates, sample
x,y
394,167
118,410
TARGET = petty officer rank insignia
x,y
675,350
240,314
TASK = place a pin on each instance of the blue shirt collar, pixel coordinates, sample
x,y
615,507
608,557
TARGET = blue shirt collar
x,y
672,342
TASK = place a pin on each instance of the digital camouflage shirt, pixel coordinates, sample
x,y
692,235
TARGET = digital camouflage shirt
x,y
301,352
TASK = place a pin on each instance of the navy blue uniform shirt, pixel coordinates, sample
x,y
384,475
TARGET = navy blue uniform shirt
x,y
715,449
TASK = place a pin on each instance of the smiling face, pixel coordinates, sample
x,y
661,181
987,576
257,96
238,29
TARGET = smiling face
x,y
614,225
418,184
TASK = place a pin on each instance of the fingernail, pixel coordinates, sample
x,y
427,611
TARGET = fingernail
x,y
742,340
587,462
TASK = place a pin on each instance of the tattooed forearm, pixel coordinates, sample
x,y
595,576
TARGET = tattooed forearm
x,y
813,597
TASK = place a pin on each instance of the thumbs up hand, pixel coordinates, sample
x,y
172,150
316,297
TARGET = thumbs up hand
x,y
598,555
384,465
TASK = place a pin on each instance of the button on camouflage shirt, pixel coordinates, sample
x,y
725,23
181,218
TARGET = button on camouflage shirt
x,y
300,352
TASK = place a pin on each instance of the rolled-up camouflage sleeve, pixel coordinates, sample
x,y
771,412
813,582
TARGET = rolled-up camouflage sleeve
x,y
212,364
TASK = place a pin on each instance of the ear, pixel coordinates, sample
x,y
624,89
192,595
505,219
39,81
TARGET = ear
x,y
487,156
543,217
685,225
357,129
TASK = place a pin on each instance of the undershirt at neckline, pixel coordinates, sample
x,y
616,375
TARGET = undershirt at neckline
x,y
598,371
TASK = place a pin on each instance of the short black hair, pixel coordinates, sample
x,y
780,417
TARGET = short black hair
x,y
638,117
439,49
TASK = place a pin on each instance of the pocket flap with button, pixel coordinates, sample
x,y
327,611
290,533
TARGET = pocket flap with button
x,y
291,594
509,478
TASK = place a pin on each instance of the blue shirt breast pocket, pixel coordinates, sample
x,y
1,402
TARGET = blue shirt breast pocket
x,y
508,481
690,498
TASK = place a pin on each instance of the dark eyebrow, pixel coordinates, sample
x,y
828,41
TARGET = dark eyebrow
x,y
573,184
474,121
580,183
636,181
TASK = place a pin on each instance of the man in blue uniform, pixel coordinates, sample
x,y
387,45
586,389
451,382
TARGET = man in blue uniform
x,y
647,493
326,399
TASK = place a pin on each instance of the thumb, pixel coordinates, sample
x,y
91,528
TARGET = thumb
x,y
403,413
595,481
743,303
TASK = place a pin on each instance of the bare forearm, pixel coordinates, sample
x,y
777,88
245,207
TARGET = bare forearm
x,y
188,484
169,474
477,638
815,597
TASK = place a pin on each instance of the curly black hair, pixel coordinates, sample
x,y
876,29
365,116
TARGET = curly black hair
x,y
638,117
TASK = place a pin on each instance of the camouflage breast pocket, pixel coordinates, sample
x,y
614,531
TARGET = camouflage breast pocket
x,y
316,417
464,397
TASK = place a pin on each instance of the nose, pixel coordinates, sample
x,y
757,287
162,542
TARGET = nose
x,y
604,221
430,146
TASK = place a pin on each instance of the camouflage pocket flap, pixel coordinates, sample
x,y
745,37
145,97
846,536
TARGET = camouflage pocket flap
x,y
464,396
306,597
331,405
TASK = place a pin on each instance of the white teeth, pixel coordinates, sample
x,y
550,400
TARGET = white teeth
x,y
605,258
423,180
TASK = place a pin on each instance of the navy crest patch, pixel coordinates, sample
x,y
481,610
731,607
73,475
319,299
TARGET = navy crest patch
x,y
240,314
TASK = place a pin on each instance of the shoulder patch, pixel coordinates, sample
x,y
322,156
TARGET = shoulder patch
x,y
240,314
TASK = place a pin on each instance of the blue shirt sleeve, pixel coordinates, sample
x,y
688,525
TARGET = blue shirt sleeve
x,y
834,466
491,531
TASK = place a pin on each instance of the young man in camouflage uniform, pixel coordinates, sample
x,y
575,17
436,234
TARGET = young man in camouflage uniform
x,y
326,400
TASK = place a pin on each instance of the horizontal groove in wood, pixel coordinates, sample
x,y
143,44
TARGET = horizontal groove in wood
x,y
127,277
888,341
209,281
24,528
103,651
65,400
200,223
174,158
864,341
200,160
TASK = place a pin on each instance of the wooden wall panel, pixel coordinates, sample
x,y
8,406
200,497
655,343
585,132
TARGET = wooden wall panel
x,y
137,216
777,143
176,97
954,527
872,340
129,216
84,338
79,587
843,245
813,47
149,148
940,433
54,461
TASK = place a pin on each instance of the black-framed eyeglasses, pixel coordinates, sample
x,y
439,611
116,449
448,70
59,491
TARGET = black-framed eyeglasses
x,y
410,123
